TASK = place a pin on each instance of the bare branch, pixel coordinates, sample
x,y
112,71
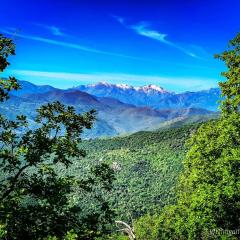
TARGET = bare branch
x,y
128,229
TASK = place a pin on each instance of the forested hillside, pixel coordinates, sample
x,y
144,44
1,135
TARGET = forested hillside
x,y
147,165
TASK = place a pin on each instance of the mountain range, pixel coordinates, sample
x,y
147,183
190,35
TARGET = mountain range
x,y
121,109
154,96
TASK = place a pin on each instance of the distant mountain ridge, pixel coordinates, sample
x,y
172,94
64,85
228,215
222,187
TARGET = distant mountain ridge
x,y
114,117
155,96
150,95
28,88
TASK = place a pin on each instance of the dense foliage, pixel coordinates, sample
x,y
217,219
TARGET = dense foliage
x,y
38,201
146,164
208,199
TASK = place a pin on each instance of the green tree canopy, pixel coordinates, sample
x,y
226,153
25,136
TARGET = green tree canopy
x,y
39,197
208,205
208,193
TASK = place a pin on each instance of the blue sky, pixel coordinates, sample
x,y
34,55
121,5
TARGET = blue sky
x,y
164,42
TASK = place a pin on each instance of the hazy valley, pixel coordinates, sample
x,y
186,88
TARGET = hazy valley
x,y
121,109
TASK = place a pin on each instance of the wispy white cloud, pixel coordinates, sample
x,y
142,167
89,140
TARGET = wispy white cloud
x,y
67,44
119,19
170,83
52,29
143,29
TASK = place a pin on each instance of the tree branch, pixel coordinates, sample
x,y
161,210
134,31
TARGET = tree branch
x,y
11,188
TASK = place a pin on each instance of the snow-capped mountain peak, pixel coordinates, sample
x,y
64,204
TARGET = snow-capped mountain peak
x,y
110,85
151,88
124,86
101,84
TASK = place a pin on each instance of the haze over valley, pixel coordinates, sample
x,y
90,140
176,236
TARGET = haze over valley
x,y
121,109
